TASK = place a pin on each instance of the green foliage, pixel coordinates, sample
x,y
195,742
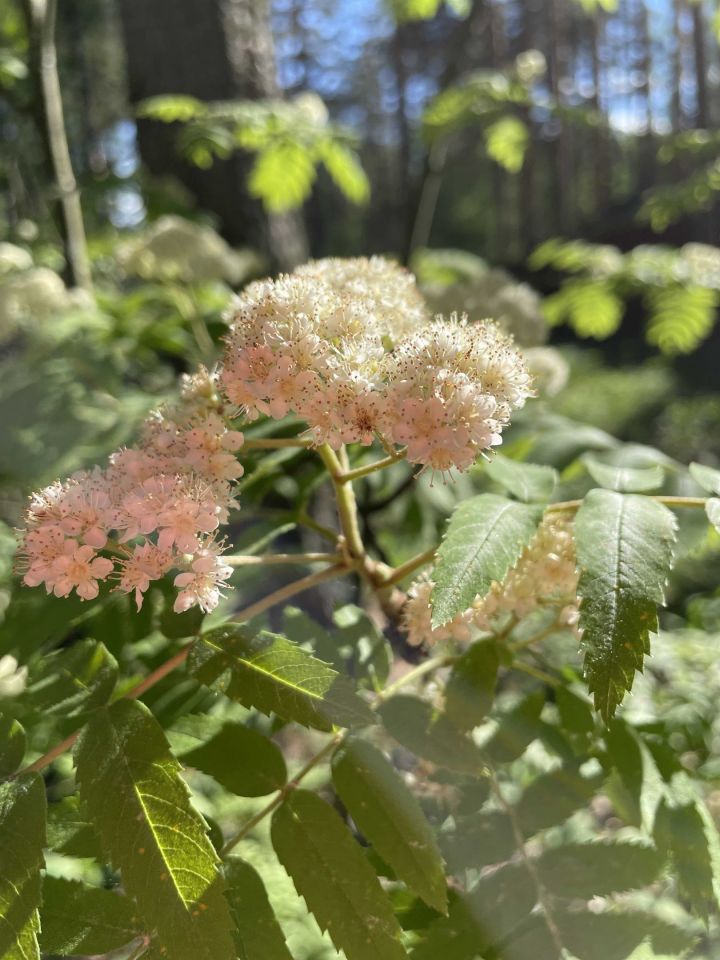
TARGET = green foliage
x,y
678,288
624,479
77,919
429,734
130,785
22,838
291,141
506,142
389,816
257,932
238,757
270,673
470,690
529,482
336,881
582,871
74,681
484,539
12,745
625,549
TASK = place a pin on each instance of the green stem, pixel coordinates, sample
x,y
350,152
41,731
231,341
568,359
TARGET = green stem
x,y
346,504
542,894
410,566
536,672
349,475
283,792
243,560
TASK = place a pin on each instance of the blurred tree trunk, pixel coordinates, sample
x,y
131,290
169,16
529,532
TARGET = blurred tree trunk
x,y
701,85
212,50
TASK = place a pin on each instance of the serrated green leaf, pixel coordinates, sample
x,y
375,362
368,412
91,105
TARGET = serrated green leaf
x,y
12,745
624,479
241,759
77,919
706,477
258,935
337,882
576,714
470,689
429,734
344,167
22,838
680,831
499,902
390,817
68,831
516,730
506,141
484,539
478,840
585,870
131,786
596,936
171,108
282,176
636,787
74,680
268,672
529,482
625,550
368,654
553,797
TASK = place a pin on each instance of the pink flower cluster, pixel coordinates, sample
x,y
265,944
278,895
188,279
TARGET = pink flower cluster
x,y
358,359
155,507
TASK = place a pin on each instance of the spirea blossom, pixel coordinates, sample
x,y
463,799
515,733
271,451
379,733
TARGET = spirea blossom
x,y
544,575
12,677
154,508
322,345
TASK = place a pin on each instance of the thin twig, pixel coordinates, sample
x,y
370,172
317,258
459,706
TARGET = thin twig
x,y
251,560
410,566
569,505
348,476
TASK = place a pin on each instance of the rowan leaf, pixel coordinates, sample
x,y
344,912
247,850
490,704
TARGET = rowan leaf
x,y
429,734
585,870
552,797
74,680
529,482
391,818
69,832
335,879
12,745
131,787
258,935
241,759
625,550
706,477
484,539
268,672
22,838
77,919
622,478
470,689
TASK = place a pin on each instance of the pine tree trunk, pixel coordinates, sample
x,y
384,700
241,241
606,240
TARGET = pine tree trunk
x,y
212,50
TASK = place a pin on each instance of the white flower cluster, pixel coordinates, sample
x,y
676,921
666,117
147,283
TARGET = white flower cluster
x,y
158,506
347,347
544,575
174,248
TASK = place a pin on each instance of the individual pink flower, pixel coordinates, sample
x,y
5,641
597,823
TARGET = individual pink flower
x,y
81,568
202,584
147,563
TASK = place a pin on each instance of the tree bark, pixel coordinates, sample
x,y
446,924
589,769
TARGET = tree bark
x,y
212,50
